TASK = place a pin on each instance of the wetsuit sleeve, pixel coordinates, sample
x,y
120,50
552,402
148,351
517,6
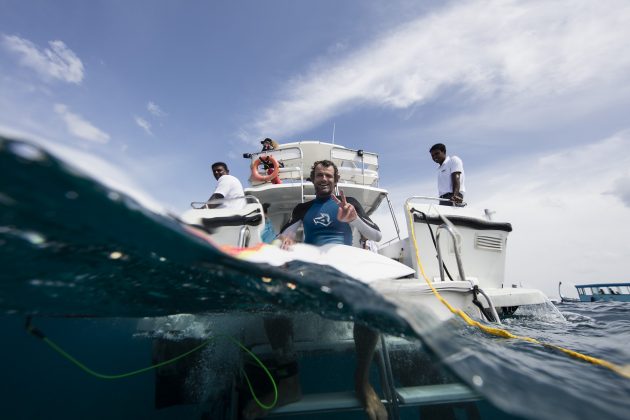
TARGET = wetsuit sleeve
x,y
297,216
363,223
291,229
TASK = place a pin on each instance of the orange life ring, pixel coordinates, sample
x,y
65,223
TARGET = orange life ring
x,y
265,178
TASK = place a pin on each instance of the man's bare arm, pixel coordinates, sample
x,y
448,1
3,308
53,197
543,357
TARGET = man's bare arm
x,y
456,179
215,196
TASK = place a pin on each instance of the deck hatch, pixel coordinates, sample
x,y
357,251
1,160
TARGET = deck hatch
x,y
490,243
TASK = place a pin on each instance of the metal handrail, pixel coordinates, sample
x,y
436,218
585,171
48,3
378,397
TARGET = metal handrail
x,y
430,198
254,156
244,235
490,305
391,210
448,226
200,205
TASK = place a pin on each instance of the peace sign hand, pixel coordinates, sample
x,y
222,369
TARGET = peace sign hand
x,y
346,213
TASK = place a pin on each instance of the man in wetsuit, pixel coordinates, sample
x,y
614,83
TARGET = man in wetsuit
x,y
327,219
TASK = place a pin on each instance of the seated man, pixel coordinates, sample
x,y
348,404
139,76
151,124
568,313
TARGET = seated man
x,y
326,220
228,188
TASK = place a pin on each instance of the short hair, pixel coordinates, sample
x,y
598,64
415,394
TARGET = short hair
x,y
325,164
216,164
438,146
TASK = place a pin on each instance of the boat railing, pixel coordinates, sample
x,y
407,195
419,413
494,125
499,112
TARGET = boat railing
x,y
356,166
446,225
291,160
449,227
431,199
215,202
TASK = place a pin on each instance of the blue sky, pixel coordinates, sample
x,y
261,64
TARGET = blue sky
x,y
533,95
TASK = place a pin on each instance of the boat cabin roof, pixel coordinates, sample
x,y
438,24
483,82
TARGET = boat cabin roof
x,y
601,285
358,176
355,166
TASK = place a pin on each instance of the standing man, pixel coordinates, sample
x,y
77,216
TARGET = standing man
x,y
450,175
327,219
228,188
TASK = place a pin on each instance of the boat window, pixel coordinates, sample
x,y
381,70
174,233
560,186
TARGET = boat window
x,y
586,291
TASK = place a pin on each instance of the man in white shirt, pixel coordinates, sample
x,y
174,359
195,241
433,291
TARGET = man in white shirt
x,y
450,175
228,188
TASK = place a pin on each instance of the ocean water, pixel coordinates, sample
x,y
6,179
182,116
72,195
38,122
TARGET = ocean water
x,y
104,277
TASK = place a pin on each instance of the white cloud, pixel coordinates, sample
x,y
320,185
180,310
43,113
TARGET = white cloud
x,y
144,124
621,189
155,110
57,62
513,56
80,127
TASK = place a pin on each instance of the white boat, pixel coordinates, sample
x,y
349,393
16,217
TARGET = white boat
x,y
472,247
456,252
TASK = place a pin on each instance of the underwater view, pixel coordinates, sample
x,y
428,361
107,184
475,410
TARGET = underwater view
x,y
110,309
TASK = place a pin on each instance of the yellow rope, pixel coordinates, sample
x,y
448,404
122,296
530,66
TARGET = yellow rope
x,y
500,332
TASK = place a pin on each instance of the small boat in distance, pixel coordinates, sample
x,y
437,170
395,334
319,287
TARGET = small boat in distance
x,y
606,292
564,298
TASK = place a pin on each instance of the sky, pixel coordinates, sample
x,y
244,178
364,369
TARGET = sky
x,y
533,96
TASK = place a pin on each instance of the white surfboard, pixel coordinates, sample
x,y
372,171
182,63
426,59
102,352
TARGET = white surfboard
x,y
358,263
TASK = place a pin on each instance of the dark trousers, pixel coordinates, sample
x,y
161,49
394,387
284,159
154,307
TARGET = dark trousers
x,y
448,196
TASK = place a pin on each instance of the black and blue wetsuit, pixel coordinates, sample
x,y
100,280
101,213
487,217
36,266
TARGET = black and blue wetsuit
x,y
321,226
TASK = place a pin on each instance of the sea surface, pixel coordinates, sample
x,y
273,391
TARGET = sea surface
x,y
108,281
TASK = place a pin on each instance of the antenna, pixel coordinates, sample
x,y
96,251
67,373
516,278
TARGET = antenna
x,y
333,139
